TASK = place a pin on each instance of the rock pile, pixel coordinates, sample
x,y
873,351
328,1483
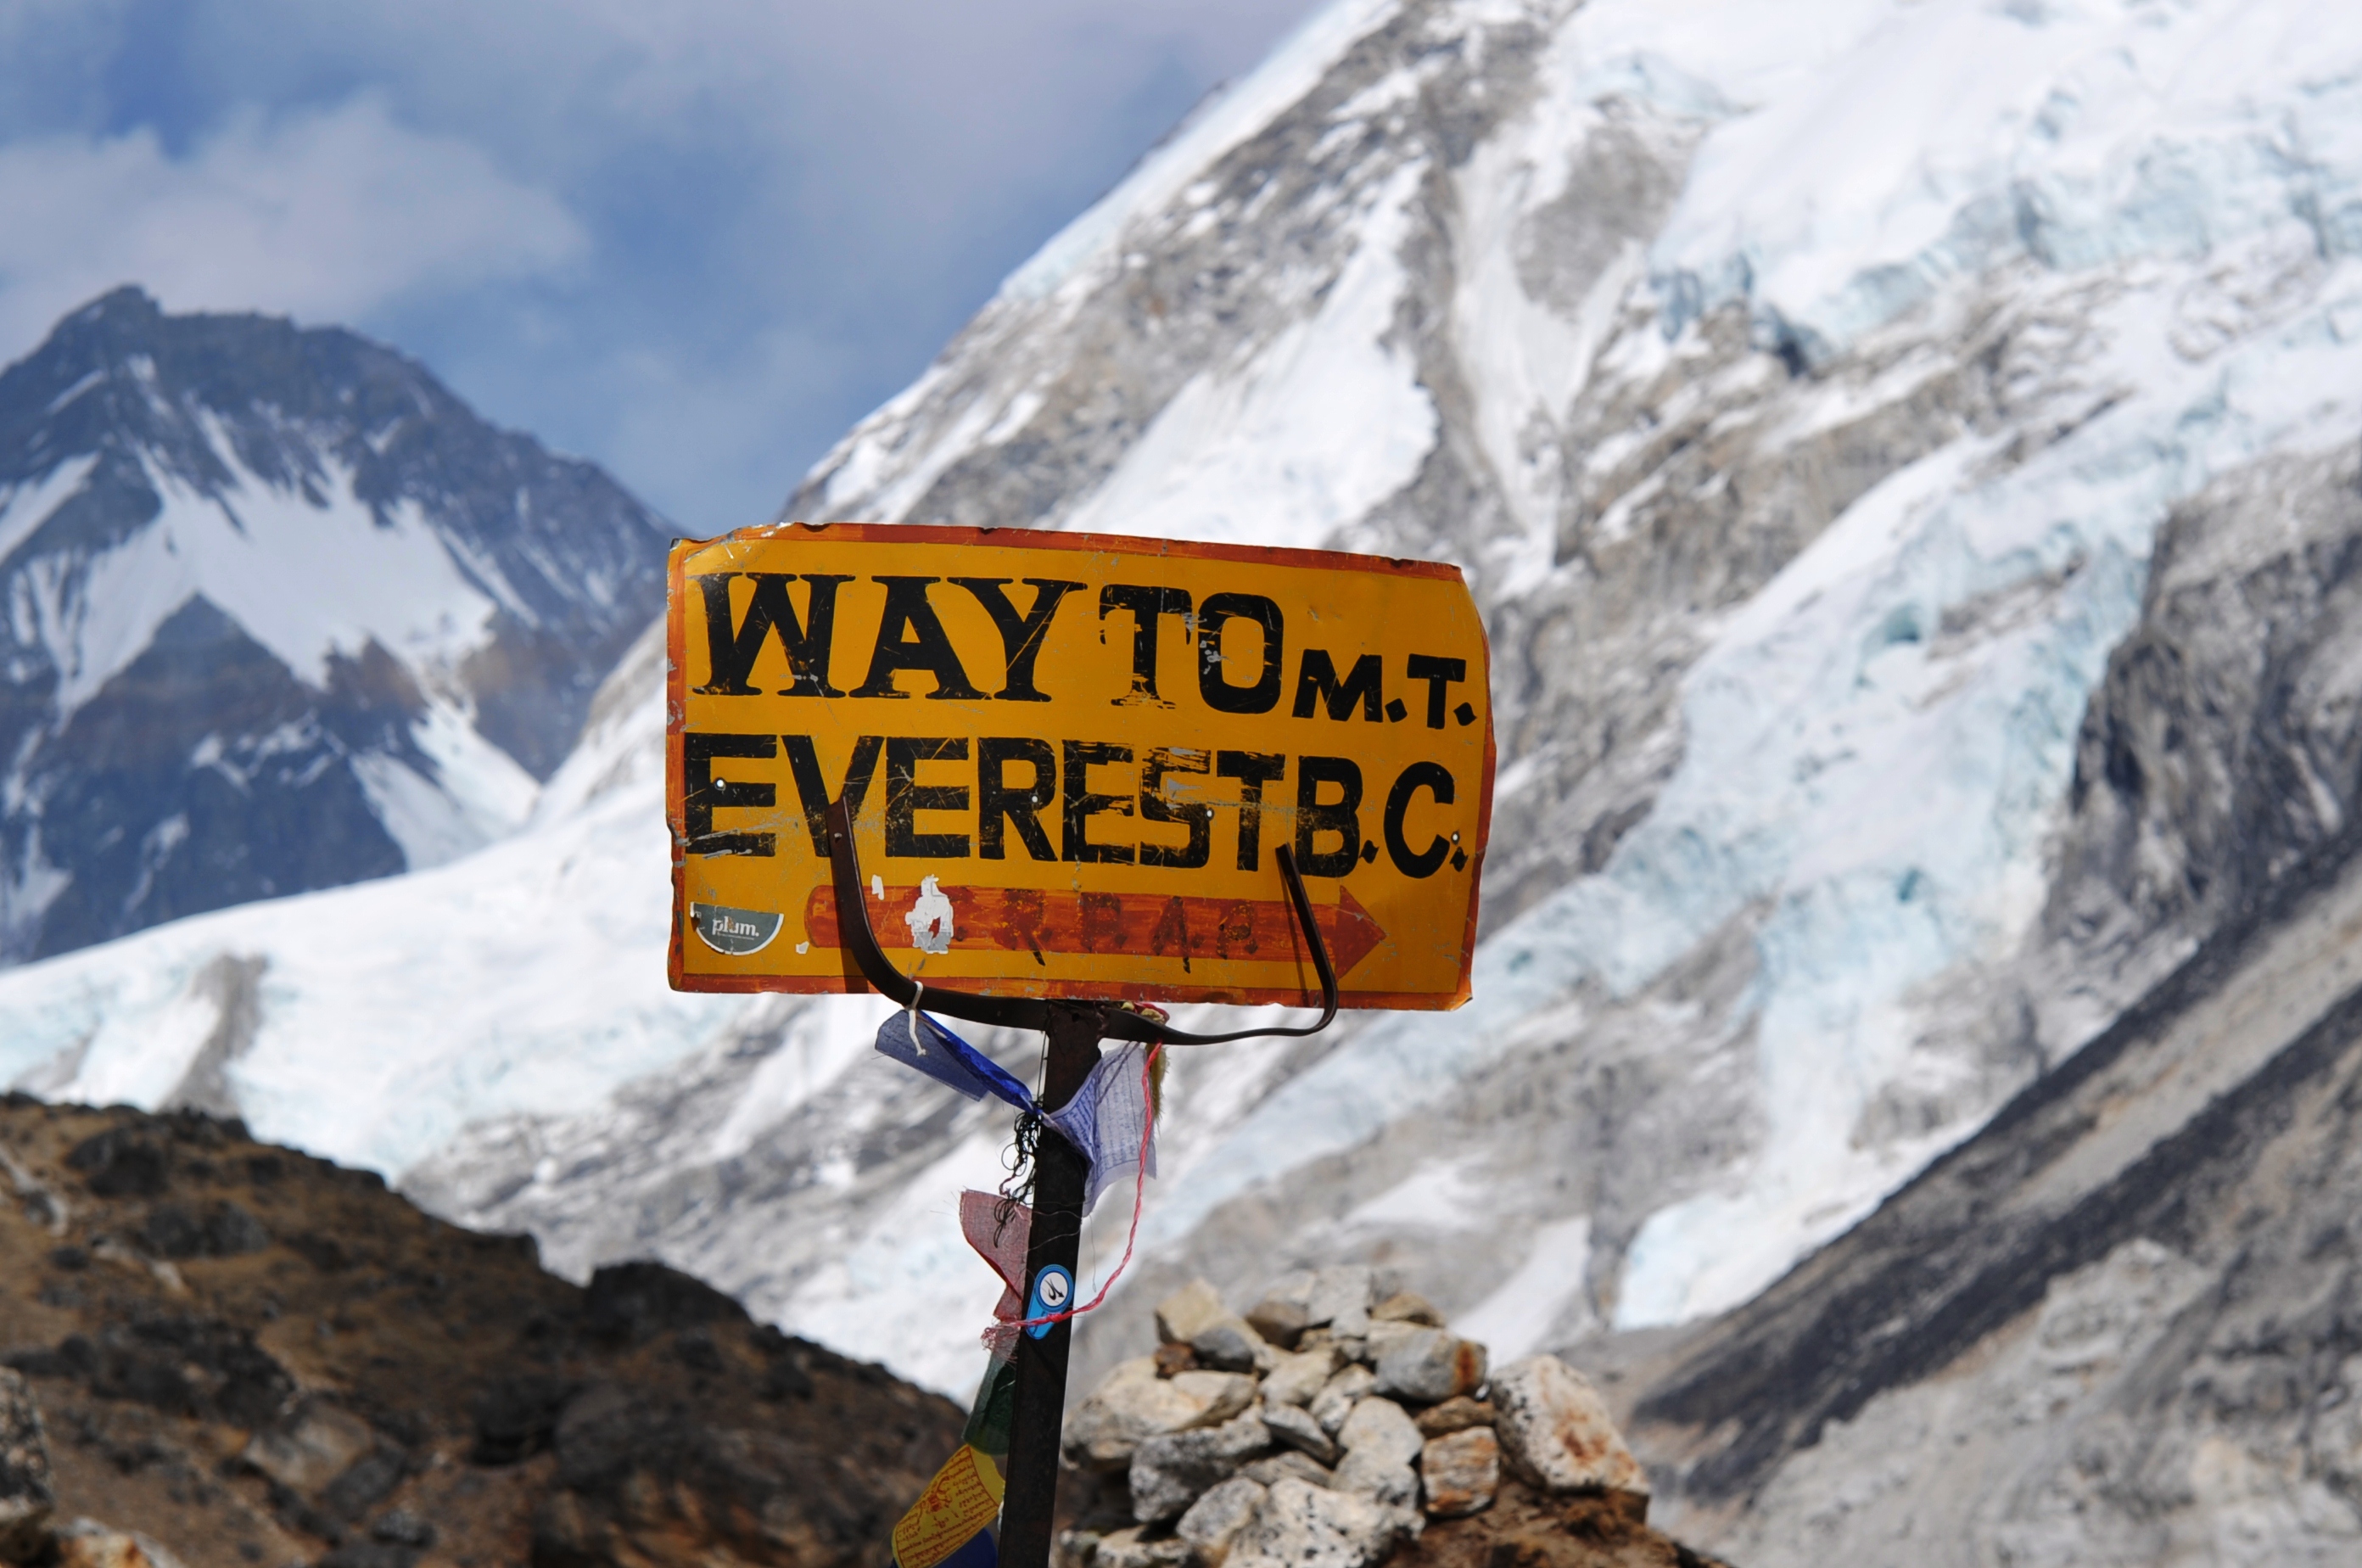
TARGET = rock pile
x,y
1322,1429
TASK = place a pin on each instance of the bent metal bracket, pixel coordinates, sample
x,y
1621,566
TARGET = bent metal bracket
x,y
1074,767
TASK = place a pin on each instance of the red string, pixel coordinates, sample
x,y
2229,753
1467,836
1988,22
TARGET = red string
x,y
1139,1196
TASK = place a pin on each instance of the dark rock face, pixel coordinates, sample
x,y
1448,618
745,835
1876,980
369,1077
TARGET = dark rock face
x,y
2122,1318
246,564
516,1416
263,821
119,1163
633,1301
2225,744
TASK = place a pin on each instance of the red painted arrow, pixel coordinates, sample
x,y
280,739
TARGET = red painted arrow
x,y
1040,921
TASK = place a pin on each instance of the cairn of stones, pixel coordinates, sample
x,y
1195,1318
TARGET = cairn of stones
x,y
1319,1429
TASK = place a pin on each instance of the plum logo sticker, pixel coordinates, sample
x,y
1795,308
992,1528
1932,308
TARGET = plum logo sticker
x,y
1052,1288
930,919
734,931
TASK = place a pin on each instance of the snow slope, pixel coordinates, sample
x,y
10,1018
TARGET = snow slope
x,y
385,1016
1802,389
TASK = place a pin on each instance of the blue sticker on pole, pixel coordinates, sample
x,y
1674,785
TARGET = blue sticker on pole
x,y
1052,1288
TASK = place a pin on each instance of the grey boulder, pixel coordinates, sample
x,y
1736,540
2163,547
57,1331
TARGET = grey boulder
x,y
1133,1405
1380,1443
1217,1519
1555,1429
1302,1525
1339,1394
1272,1469
1297,1379
1132,1549
1171,1472
1297,1429
1193,1307
1340,1298
1428,1366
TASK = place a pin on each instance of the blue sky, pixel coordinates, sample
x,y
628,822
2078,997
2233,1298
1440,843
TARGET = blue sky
x,y
692,241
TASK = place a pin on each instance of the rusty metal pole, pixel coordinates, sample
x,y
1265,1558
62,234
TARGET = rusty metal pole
x,y
1054,1250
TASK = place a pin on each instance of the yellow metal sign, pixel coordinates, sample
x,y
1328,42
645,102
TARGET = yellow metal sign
x,y
1069,758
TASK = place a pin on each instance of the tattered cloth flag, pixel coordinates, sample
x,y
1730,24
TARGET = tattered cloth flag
x,y
998,1229
951,1524
1112,1121
915,1040
1108,1120
948,1526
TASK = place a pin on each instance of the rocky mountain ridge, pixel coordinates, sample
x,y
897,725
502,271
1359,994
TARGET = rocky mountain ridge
x,y
282,614
250,1355
234,1354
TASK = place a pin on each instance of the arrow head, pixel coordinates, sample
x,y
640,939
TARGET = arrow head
x,y
1349,930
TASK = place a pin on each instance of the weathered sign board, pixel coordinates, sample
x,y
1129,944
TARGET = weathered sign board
x,y
1069,758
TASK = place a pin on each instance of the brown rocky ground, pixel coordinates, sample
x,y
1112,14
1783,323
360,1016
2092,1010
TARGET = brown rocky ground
x,y
1528,1528
256,1357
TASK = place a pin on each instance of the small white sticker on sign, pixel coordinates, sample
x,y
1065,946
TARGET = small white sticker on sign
x,y
930,919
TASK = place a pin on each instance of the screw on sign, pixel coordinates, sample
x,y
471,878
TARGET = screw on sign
x,y
1069,775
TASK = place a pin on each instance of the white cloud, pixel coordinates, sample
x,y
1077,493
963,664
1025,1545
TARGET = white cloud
x,y
692,239
328,215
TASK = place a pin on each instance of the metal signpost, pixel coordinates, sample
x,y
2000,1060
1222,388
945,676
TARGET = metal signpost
x,y
1055,772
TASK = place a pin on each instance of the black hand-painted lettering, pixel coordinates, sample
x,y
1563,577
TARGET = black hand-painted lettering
x,y
1021,635
1252,770
928,647
906,798
1155,808
1172,933
998,805
811,786
1148,606
701,793
1315,816
729,655
1439,674
1219,694
1435,778
1317,684
1082,804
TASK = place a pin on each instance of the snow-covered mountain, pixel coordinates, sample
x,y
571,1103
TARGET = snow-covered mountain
x,y
282,614
2115,1324
1805,391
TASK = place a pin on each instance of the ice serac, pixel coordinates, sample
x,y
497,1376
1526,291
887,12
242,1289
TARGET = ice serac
x,y
2114,1324
280,614
1803,391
